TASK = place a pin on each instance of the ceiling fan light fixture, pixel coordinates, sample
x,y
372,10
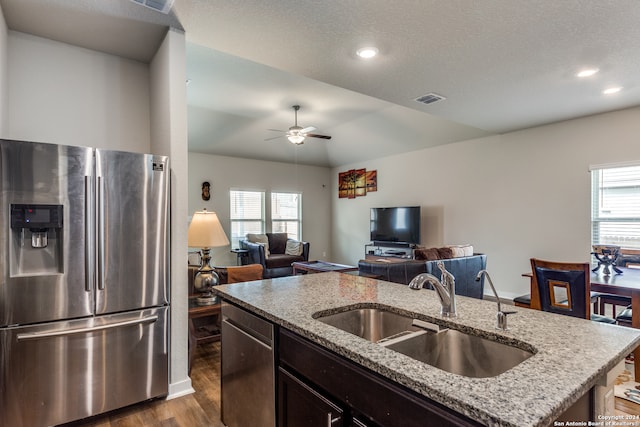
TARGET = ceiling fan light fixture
x,y
295,139
297,134
587,72
612,90
367,52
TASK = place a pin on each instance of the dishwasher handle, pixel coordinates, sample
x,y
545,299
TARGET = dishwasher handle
x,y
250,324
257,336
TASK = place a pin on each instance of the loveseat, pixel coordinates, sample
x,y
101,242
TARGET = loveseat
x,y
276,252
464,269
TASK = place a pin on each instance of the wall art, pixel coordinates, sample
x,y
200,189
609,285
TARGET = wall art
x,y
356,183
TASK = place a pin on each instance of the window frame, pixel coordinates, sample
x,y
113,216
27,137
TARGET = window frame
x,y
626,237
267,221
235,239
297,220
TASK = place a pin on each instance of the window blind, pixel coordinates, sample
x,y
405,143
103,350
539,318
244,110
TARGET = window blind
x,y
247,214
615,212
286,215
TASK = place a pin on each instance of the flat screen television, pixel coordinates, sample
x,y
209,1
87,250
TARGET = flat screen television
x,y
395,225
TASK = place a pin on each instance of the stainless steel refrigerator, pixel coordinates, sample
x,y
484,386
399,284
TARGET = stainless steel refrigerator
x,y
83,281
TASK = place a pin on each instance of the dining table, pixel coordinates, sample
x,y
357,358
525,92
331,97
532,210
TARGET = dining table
x,y
627,284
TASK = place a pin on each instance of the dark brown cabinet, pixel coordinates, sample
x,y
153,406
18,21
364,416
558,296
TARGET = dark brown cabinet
x,y
366,398
316,387
300,405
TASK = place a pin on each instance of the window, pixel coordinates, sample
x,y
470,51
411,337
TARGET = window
x,y
615,213
247,214
286,214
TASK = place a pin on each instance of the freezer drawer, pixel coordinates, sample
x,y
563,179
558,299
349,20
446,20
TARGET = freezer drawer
x,y
63,371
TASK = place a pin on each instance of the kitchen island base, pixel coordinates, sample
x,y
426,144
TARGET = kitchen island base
x,y
317,387
563,380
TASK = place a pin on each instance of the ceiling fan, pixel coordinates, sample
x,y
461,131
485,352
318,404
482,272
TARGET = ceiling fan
x,y
297,134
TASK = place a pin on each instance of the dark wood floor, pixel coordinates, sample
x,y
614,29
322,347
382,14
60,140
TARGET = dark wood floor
x,y
199,409
202,408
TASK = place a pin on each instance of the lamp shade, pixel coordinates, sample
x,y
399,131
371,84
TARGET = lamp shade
x,y
205,231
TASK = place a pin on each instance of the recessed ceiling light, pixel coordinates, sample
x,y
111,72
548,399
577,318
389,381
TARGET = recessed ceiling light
x,y
587,72
612,90
367,52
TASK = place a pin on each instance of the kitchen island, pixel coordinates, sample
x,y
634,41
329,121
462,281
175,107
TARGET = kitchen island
x,y
571,356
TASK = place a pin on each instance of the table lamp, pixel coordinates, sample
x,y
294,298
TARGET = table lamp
x,y
206,232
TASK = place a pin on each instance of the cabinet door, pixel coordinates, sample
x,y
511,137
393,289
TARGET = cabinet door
x,y
300,405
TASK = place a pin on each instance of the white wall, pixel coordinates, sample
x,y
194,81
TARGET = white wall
x,y
63,94
514,196
169,137
4,80
226,173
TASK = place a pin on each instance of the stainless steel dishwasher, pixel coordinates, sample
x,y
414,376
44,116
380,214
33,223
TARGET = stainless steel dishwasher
x,y
248,369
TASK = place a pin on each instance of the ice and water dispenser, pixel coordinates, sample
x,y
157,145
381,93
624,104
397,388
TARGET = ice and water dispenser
x,y
36,243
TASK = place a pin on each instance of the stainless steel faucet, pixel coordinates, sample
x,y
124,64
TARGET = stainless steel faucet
x,y
446,290
501,316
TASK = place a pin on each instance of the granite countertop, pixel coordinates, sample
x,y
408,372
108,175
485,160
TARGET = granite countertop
x,y
571,354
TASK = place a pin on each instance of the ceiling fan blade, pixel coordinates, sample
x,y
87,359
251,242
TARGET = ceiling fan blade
x,y
307,129
274,137
277,130
315,135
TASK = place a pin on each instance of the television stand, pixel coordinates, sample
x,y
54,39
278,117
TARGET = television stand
x,y
389,250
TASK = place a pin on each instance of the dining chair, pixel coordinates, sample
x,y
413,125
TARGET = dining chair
x,y
244,273
563,288
614,301
625,317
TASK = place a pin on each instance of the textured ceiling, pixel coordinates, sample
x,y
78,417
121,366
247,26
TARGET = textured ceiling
x,y
503,65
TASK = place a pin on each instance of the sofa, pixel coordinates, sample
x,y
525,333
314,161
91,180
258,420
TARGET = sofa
x,y
275,252
464,269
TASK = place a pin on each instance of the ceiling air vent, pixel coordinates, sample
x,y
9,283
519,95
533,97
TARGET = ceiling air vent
x,y
163,6
430,98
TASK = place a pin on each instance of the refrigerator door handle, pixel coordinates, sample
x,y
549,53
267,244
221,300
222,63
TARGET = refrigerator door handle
x,y
63,332
89,260
100,224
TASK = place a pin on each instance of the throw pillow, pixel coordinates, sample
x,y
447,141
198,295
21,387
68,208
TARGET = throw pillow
x,y
425,254
277,242
293,248
445,253
461,250
456,251
262,240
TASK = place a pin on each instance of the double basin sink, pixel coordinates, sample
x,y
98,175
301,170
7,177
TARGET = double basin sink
x,y
444,348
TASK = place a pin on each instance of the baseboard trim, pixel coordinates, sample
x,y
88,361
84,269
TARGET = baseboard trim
x,y
180,389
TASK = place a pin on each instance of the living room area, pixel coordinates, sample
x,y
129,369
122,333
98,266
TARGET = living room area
x,y
514,196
